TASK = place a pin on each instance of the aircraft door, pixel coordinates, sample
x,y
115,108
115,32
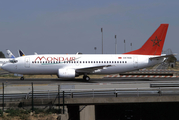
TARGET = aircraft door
x,y
27,62
135,61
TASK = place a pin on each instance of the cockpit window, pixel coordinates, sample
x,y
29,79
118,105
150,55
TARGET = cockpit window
x,y
13,61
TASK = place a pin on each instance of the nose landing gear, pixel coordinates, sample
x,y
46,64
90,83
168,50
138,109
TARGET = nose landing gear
x,y
85,77
22,78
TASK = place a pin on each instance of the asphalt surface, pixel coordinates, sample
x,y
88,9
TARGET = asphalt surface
x,y
92,81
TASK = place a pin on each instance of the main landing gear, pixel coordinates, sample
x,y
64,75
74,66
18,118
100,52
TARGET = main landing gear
x,y
22,78
85,77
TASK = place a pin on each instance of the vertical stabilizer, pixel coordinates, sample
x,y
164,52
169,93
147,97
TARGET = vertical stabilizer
x,y
154,45
9,53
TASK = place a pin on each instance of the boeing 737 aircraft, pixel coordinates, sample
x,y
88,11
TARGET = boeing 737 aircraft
x,y
73,65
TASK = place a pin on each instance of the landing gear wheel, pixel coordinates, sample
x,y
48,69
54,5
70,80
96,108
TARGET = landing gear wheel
x,y
22,78
85,77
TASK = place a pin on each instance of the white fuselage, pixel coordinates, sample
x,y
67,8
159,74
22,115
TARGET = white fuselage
x,y
81,63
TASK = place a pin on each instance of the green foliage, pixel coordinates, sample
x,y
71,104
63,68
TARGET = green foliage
x,y
16,112
1,113
24,114
37,111
9,75
1,55
50,111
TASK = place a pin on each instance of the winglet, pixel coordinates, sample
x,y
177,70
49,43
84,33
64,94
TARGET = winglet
x,y
154,45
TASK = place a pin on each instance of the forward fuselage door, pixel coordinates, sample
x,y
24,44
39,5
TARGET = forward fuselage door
x,y
135,61
27,62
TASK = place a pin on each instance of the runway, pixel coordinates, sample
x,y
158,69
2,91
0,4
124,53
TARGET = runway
x,y
92,81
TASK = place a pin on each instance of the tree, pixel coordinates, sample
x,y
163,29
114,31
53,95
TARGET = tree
x,y
2,55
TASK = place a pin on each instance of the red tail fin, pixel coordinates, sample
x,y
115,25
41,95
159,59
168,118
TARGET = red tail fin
x,y
154,45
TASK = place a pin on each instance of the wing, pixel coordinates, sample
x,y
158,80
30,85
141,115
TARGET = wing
x,y
92,69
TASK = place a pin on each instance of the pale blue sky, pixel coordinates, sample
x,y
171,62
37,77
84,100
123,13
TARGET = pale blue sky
x,y
70,26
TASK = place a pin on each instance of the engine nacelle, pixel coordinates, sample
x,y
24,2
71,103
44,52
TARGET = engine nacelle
x,y
66,73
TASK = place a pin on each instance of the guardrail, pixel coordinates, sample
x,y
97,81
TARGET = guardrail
x,y
80,93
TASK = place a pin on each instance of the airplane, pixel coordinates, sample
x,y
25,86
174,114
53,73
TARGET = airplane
x,y
10,56
6,60
73,65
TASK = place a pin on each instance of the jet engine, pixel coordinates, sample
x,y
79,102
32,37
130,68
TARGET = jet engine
x,y
66,73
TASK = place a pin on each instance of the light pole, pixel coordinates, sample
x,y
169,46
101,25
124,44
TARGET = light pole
x,y
131,46
115,44
102,39
124,46
95,49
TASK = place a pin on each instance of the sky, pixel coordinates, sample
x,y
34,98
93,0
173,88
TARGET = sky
x,y
71,26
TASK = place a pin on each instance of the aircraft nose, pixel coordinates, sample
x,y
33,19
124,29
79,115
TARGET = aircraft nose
x,y
5,67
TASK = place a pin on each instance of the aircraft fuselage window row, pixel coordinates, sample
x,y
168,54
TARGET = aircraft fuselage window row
x,y
79,62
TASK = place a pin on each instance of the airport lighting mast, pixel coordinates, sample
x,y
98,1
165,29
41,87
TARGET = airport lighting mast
x,y
115,44
102,39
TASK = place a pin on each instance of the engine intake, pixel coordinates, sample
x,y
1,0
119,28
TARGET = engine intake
x,y
66,73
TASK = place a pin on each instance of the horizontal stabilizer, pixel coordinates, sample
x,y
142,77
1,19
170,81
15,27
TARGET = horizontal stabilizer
x,y
165,56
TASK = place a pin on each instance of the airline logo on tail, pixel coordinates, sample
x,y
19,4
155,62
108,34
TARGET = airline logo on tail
x,y
9,53
156,41
21,53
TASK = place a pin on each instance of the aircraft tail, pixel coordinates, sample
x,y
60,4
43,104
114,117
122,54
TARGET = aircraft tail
x,y
21,53
9,53
154,45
